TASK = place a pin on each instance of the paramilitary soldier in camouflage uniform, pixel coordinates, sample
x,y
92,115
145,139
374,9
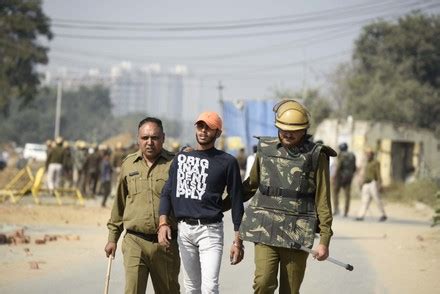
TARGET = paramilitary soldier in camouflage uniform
x,y
289,182
136,209
343,175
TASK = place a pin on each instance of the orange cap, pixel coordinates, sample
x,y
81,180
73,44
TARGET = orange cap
x,y
212,119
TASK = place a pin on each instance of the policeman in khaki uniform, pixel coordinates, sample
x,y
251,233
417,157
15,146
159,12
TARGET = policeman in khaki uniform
x,y
136,209
290,190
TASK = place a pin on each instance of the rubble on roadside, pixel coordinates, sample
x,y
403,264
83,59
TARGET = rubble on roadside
x,y
18,236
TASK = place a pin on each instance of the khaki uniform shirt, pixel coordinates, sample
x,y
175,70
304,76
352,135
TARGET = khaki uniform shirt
x,y
322,197
372,171
136,206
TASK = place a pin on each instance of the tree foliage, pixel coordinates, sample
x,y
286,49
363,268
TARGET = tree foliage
x,y
22,22
395,73
85,114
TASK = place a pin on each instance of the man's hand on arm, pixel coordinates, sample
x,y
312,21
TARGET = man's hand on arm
x,y
237,250
164,231
110,249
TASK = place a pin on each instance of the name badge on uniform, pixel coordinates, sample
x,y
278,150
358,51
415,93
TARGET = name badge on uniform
x,y
133,173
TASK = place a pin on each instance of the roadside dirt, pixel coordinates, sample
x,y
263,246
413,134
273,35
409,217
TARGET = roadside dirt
x,y
404,251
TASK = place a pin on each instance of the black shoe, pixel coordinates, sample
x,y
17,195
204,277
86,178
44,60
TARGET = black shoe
x,y
383,218
359,219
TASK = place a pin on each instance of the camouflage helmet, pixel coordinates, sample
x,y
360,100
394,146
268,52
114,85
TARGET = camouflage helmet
x,y
290,115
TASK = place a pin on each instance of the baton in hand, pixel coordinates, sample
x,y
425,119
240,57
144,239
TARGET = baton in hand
x,y
347,266
107,276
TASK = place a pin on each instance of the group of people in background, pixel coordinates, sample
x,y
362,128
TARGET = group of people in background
x,y
369,180
93,169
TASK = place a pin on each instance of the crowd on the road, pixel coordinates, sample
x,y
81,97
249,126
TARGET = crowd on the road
x,y
91,168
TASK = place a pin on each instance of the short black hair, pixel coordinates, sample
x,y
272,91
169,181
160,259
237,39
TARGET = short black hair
x,y
154,120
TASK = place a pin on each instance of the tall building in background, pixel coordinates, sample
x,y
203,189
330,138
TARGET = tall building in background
x,y
128,89
148,90
171,94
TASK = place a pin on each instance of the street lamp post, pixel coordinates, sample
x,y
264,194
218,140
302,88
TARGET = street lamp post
x,y
58,109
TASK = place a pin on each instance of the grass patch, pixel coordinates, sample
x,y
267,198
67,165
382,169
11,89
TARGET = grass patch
x,y
423,190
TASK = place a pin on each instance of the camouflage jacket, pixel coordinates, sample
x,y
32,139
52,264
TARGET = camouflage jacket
x,y
291,185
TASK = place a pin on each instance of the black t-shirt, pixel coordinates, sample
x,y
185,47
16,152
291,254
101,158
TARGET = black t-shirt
x,y
196,183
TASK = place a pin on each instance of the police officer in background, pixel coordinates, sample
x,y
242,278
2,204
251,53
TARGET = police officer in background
x,y
54,164
136,209
290,190
371,186
342,178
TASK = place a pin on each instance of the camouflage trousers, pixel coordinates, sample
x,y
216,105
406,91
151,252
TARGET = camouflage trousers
x,y
143,258
268,259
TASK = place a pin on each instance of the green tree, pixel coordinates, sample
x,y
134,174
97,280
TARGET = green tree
x,y
85,114
395,73
22,22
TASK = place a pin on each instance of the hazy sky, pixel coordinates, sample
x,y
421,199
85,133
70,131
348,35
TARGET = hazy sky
x,y
252,46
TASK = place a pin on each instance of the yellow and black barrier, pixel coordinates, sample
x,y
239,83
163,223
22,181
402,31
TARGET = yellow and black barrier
x,y
18,186
24,182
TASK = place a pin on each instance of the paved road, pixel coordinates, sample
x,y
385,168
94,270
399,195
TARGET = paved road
x,y
321,277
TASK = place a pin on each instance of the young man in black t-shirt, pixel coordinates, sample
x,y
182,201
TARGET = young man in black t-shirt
x,y
193,193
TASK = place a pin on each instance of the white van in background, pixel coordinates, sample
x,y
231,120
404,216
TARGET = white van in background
x,y
37,152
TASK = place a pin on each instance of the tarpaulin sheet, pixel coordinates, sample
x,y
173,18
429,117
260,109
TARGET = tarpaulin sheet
x,y
246,119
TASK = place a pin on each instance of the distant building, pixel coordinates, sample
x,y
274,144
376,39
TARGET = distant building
x,y
73,80
128,90
403,151
148,90
172,94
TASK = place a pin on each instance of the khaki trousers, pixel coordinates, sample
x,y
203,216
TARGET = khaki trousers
x,y
370,191
142,258
292,265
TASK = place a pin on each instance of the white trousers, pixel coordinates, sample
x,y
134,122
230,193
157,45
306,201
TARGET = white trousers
x,y
201,248
370,191
54,175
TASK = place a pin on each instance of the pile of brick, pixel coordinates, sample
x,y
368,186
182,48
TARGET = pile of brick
x,y
19,237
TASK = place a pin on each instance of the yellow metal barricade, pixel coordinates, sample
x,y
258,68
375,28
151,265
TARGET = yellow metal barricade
x,y
18,186
25,182
37,188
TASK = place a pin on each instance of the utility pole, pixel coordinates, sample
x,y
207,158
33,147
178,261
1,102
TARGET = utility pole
x,y
304,86
220,88
58,109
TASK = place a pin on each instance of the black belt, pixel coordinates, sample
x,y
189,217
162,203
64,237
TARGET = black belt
x,y
287,193
150,237
198,221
